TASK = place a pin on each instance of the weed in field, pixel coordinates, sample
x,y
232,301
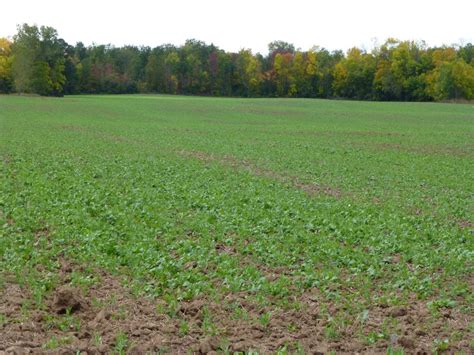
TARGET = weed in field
x,y
395,351
3,319
183,328
374,337
121,343
264,319
97,339
440,345
56,342
64,323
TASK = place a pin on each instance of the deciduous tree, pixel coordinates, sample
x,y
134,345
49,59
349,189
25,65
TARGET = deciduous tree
x,y
6,75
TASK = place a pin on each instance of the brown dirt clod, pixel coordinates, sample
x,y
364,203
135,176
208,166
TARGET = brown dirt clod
x,y
398,312
67,299
406,342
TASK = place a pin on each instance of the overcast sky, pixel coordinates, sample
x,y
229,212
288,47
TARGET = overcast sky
x,y
233,25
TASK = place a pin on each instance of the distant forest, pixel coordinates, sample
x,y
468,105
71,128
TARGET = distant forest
x,y
38,61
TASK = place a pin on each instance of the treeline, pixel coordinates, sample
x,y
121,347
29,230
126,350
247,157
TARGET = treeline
x,y
38,61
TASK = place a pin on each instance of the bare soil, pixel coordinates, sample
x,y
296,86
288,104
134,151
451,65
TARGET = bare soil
x,y
465,224
108,310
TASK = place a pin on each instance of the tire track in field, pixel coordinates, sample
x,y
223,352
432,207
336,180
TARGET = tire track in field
x,y
230,161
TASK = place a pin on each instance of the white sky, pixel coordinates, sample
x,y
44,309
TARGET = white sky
x,y
232,25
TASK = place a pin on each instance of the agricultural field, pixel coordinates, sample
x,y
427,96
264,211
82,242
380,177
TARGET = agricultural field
x,y
179,224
